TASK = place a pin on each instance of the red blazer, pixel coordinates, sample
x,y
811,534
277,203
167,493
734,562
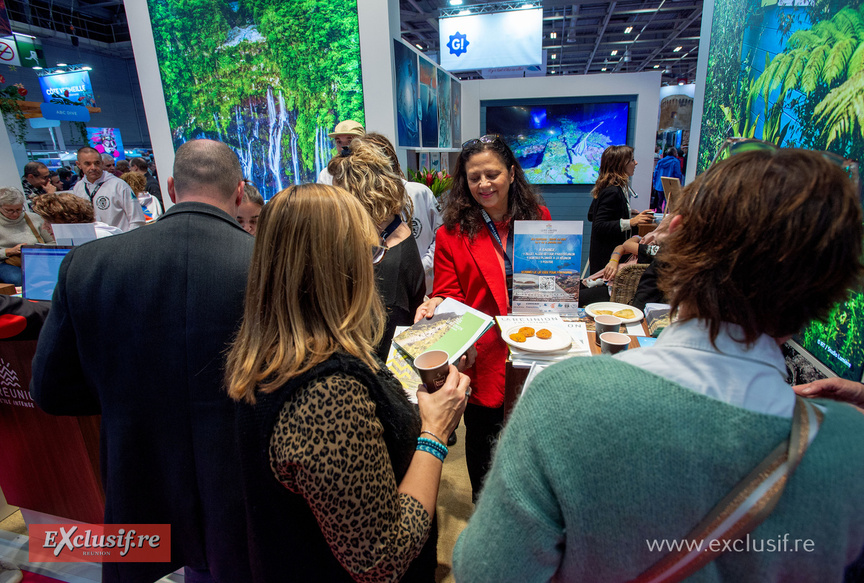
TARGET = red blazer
x,y
469,271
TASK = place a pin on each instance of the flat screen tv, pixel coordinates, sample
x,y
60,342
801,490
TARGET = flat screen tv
x,y
560,143
837,344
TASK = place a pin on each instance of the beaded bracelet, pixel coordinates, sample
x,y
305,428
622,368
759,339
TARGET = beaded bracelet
x,y
435,452
433,444
433,435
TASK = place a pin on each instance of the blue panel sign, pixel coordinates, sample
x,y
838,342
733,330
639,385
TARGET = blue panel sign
x,y
68,88
65,112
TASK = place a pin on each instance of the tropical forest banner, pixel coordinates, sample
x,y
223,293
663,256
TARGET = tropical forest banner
x,y
794,76
791,75
270,78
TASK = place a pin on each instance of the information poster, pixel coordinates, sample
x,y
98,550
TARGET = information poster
x,y
546,256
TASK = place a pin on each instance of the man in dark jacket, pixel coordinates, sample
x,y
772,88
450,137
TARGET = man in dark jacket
x,y
140,166
175,287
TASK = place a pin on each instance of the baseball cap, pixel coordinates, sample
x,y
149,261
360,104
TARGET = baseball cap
x,y
347,127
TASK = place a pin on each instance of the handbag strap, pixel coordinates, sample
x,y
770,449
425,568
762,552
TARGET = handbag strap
x,y
33,228
744,508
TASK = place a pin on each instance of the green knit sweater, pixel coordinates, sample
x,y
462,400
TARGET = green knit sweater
x,y
600,457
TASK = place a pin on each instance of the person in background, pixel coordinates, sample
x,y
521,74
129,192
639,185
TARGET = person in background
x,y
168,449
112,199
123,167
108,165
489,193
368,175
151,207
17,227
605,456
36,180
55,181
342,134
64,208
68,178
427,216
337,484
250,209
141,166
609,213
669,166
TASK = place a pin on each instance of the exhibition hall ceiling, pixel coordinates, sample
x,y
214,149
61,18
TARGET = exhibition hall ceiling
x,y
579,36
595,36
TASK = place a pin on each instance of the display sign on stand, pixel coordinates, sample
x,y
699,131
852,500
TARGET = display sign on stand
x,y
546,271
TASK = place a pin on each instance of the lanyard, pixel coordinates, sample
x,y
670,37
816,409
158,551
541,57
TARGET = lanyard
x,y
508,265
95,190
388,230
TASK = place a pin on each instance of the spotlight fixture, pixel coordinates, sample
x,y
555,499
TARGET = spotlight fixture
x,y
615,52
455,2
628,30
61,64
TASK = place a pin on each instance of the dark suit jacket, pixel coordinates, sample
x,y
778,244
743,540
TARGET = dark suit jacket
x,y
470,272
605,214
137,332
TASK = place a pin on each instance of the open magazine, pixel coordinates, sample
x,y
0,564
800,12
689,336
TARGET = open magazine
x,y
454,328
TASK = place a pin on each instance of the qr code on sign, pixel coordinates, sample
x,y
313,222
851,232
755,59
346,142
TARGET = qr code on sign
x,y
547,284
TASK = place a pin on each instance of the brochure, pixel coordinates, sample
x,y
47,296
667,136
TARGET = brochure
x,y
400,365
454,328
546,266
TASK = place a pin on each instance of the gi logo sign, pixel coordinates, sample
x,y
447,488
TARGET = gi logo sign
x,y
458,44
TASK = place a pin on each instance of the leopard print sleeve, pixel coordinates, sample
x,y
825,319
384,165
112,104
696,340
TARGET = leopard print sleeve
x,y
328,446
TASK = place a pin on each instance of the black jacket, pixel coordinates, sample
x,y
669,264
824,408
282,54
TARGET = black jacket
x,y
605,214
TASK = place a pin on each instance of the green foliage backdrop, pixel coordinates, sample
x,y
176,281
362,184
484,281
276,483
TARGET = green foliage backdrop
x,y
268,77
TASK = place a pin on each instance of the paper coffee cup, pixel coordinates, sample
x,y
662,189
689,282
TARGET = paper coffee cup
x,y
433,366
613,342
605,323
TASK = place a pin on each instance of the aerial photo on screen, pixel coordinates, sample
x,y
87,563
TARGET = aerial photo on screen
x,y
560,143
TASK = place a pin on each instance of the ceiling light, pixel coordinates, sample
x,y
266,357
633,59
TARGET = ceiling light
x,y
464,12
86,68
676,49
527,6
37,68
455,2
554,56
553,35
656,66
615,52
61,64
603,69
418,46
628,30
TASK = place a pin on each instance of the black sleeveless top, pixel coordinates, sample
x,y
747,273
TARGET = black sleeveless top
x,y
285,541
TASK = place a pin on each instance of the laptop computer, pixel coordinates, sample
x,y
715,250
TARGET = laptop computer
x,y
40,267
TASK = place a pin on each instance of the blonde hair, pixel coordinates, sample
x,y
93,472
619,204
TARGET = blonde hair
x,y
311,290
137,182
368,174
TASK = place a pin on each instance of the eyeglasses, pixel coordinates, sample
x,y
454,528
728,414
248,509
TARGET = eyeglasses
x,y
378,252
732,146
487,139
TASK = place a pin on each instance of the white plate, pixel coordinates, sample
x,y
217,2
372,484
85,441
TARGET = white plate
x,y
560,340
614,307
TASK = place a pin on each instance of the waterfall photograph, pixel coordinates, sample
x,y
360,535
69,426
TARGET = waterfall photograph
x,y
268,78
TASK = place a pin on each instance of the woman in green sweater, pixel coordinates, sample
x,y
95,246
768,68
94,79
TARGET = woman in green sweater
x,y
607,463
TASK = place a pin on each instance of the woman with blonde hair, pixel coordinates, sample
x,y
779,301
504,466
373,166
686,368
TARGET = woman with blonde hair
x,y
611,223
17,227
367,173
340,474
138,183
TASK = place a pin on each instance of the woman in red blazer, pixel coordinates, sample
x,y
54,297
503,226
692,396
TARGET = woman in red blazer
x,y
489,192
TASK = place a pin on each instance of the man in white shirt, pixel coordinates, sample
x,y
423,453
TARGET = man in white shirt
x,y
342,135
112,199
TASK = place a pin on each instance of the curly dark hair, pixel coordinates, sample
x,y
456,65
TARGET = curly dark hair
x,y
460,208
768,240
